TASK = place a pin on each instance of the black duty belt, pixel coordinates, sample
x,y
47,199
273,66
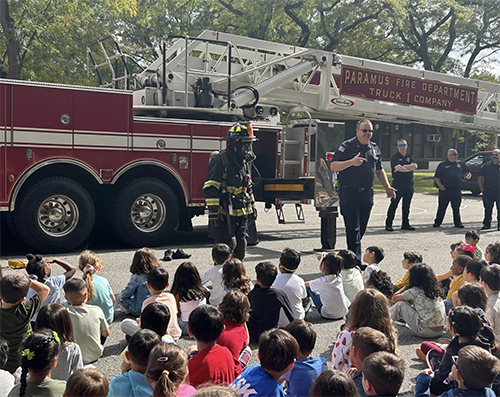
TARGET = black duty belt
x,y
357,189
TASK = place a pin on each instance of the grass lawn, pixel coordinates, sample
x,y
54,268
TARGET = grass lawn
x,y
423,182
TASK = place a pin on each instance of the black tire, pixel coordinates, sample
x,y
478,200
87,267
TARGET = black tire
x,y
146,212
55,215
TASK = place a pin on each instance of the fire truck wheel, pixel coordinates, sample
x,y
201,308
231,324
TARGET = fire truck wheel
x,y
145,213
55,215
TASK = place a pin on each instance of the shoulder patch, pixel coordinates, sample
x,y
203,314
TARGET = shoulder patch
x,y
341,148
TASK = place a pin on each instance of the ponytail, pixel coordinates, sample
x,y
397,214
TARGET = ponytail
x,y
88,277
24,376
164,386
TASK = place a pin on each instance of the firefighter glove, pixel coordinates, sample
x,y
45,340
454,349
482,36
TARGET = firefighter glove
x,y
213,217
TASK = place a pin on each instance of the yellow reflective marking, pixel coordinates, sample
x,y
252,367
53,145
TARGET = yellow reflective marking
x,y
284,188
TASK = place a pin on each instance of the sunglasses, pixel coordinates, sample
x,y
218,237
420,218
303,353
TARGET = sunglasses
x,y
453,154
365,131
402,145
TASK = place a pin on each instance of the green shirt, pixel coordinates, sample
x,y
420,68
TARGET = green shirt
x,y
43,388
15,326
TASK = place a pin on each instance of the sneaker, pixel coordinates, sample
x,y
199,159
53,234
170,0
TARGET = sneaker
x,y
432,359
167,256
180,254
400,322
420,353
307,305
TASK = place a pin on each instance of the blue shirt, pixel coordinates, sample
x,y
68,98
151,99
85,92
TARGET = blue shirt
x,y
135,293
131,384
255,381
422,389
303,374
102,297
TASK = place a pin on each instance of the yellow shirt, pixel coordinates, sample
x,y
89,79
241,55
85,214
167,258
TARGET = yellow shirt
x,y
404,281
455,285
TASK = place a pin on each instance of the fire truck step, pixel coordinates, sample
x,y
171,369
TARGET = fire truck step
x,y
299,212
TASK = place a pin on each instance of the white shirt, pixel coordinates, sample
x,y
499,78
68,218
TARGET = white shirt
x,y
369,269
295,289
494,314
331,291
214,274
55,284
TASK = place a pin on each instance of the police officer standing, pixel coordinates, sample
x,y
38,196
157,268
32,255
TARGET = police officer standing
x,y
228,190
402,166
448,177
358,160
489,183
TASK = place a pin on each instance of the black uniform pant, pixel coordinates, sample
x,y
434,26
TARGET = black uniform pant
x,y
453,196
355,207
405,193
490,197
236,239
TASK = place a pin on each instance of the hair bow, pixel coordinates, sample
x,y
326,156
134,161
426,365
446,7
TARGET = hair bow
x,y
56,337
88,268
164,358
468,248
28,354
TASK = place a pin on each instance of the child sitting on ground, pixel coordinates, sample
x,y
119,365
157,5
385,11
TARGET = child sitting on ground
x,y
167,371
278,351
189,293
327,292
234,275
366,341
332,383
89,324
235,336
471,274
420,303
56,318
381,281
98,288
210,362
383,374
16,312
352,280
266,302
220,254
372,257
457,270
472,238
307,368
6,378
291,284
472,372
409,259
136,291
39,357
133,382
88,382
490,280
39,269
157,283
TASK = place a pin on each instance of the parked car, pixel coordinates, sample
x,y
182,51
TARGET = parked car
x,y
474,162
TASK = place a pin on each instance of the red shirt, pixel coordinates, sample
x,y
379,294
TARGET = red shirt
x,y
234,337
216,365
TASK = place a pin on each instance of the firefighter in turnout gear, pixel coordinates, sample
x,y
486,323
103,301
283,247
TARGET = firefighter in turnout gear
x,y
228,190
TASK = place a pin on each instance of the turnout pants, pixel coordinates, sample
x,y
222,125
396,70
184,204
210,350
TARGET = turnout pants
x,y
237,240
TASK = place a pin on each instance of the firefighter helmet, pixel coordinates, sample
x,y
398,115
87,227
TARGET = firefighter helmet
x,y
241,132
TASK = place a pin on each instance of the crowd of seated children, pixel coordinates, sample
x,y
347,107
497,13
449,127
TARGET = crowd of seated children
x,y
409,259
266,302
291,284
220,254
471,274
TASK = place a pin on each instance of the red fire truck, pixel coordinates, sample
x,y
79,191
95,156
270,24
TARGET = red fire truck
x,y
135,160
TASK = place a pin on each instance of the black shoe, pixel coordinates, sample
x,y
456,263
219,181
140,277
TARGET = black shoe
x,y
432,359
460,226
180,254
486,227
167,256
407,227
436,225
389,228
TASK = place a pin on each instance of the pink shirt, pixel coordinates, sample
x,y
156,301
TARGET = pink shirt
x,y
167,299
185,390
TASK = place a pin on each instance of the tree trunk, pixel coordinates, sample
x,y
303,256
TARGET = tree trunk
x,y
12,41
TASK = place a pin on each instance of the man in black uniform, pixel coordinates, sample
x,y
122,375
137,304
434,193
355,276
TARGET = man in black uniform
x,y
228,190
358,160
489,183
402,166
448,177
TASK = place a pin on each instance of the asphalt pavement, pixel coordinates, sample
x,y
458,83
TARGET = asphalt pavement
x,y
432,243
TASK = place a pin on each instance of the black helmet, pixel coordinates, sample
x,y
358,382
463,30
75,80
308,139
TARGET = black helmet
x,y
241,132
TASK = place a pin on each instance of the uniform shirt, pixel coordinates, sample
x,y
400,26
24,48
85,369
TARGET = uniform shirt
x,y
491,175
450,173
361,177
402,178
